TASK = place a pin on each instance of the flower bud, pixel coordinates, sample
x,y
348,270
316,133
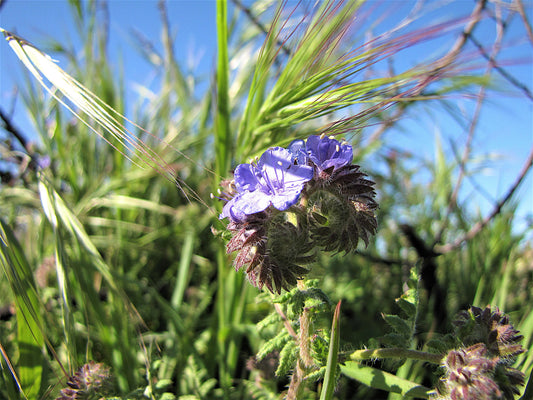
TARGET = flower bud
x,y
482,371
469,375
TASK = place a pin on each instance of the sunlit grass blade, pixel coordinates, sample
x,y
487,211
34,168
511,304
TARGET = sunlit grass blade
x,y
30,329
525,360
56,210
67,319
8,376
44,69
331,367
320,77
223,142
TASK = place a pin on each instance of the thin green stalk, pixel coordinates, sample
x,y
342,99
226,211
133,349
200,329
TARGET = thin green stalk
x,y
222,126
223,153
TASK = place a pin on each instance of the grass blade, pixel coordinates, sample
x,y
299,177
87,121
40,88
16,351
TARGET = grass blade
x,y
222,117
30,338
331,367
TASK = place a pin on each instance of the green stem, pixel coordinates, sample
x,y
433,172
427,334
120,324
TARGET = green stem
x,y
222,117
396,353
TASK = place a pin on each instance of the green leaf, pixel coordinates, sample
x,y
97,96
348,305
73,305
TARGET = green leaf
x,y
408,302
378,379
398,324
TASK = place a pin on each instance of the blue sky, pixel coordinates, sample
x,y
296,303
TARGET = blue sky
x,y
506,125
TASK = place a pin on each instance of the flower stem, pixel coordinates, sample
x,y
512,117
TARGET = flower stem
x,y
305,361
396,353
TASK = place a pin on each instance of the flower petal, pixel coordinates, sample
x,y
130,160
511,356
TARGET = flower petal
x,y
245,178
298,151
326,153
251,202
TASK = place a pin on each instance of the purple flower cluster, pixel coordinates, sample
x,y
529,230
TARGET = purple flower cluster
x,y
292,202
280,175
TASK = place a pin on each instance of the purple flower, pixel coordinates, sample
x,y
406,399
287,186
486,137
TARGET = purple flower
x,y
275,180
298,151
327,153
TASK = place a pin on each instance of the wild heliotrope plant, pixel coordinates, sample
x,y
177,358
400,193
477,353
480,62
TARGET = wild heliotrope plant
x,y
293,202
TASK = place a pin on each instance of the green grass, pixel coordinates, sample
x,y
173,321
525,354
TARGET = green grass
x,y
109,253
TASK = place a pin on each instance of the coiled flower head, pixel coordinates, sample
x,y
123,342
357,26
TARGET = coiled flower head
x,y
91,382
272,249
341,198
491,327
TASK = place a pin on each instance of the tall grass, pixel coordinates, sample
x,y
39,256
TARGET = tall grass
x,y
109,253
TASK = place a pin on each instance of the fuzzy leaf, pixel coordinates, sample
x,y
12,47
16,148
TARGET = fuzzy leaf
x,y
276,343
399,325
408,302
395,340
287,358
442,344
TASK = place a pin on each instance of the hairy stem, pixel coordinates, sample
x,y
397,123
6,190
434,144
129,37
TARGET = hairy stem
x,y
305,361
396,353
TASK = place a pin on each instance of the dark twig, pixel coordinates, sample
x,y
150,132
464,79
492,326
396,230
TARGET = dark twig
x,y
259,24
428,273
511,79
23,162
10,128
496,210
383,260
527,24
441,64
473,125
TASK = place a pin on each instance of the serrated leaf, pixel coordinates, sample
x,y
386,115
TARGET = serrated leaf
x,y
442,344
207,386
399,325
287,358
378,379
408,302
270,319
276,343
320,347
408,308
